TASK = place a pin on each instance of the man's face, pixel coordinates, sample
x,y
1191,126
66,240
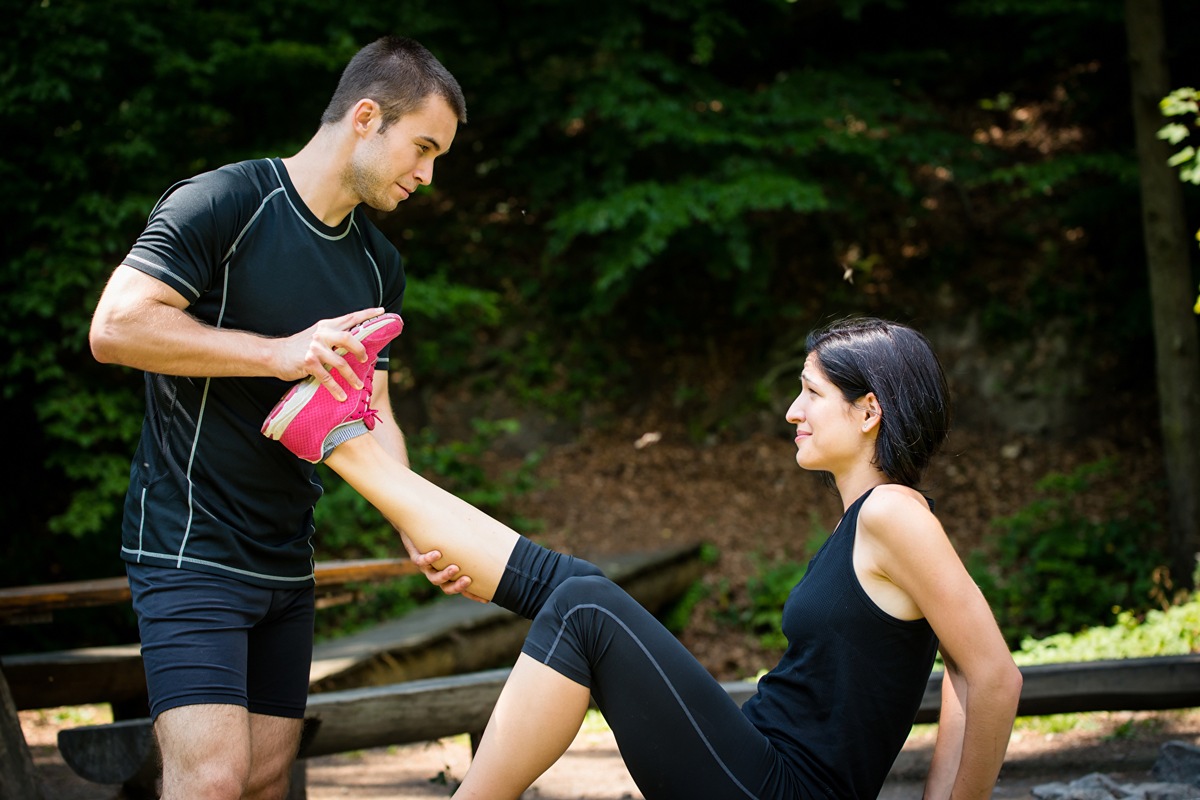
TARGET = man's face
x,y
388,167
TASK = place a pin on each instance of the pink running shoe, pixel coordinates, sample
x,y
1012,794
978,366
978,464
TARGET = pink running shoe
x,y
308,421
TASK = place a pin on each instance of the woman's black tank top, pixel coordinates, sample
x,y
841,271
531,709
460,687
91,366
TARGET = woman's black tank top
x,y
841,702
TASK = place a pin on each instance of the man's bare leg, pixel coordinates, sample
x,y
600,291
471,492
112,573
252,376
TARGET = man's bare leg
x,y
274,742
205,751
222,752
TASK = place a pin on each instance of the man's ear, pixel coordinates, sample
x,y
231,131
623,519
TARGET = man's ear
x,y
871,411
365,116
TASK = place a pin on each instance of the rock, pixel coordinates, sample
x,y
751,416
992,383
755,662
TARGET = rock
x,y
1101,787
1169,791
1090,787
1178,762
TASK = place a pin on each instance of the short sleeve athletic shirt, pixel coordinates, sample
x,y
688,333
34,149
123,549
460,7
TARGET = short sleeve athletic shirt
x,y
842,700
207,490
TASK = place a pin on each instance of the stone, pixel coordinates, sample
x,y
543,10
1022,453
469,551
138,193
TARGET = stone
x,y
1090,787
1178,762
1101,787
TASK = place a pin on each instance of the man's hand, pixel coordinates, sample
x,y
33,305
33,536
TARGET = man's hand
x,y
314,351
445,579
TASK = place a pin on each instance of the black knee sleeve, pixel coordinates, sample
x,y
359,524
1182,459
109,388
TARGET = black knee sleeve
x,y
532,573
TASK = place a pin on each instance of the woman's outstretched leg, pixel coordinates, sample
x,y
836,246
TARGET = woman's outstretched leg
x,y
534,722
430,516
504,566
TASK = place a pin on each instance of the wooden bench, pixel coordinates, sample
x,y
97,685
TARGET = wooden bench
x,y
104,674
30,604
424,710
440,639
113,674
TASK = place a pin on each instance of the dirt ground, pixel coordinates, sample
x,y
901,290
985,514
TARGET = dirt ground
x,y
1122,745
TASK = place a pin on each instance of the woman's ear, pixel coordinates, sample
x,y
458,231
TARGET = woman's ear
x,y
871,411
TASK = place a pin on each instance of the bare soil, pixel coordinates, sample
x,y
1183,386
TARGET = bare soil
x,y
1122,745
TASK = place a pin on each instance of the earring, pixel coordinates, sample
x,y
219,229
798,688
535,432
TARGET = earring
x,y
866,428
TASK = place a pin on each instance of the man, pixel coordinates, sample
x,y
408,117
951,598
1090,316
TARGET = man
x,y
218,520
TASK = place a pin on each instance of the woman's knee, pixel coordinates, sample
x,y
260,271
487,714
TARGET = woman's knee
x,y
586,588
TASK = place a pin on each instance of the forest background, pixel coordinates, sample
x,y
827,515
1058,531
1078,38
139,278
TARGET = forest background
x,y
652,203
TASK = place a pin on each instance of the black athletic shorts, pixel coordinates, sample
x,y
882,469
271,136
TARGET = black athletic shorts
x,y
212,639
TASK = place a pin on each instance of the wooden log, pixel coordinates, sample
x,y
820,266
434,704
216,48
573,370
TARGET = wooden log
x,y
20,603
1128,684
414,711
114,674
335,722
76,677
424,710
119,752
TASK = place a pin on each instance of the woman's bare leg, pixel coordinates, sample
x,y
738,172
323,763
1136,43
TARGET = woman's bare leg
x,y
430,516
534,722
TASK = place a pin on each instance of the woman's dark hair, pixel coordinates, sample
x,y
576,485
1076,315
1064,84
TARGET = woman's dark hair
x,y
897,363
399,74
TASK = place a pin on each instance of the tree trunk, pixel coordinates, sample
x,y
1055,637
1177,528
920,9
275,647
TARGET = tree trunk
x,y
1177,351
18,778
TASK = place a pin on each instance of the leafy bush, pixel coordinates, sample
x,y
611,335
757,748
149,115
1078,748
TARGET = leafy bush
x,y
768,588
1064,562
1183,103
767,592
676,617
1170,632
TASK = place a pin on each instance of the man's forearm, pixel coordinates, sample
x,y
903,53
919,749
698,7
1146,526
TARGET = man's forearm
x,y
156,337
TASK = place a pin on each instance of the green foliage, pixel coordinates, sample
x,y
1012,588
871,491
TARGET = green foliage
x,y
766,592
677,617
1160,632
761,611
637,178
442,321
1060,563
1183,103
460,471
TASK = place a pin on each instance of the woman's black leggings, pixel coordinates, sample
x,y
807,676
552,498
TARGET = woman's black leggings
x,y
679,732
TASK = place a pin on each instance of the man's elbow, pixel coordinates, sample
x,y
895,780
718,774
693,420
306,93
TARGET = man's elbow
x,y
103,340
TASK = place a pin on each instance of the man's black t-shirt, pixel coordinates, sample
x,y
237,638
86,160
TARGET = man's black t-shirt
x,y
207,490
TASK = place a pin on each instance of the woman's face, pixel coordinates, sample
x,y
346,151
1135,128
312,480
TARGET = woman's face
x,y
829,430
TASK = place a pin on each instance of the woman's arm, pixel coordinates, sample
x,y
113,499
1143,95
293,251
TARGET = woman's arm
x,y
908,547
947,751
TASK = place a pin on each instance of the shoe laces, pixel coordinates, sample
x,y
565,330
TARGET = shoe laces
x,y
369,415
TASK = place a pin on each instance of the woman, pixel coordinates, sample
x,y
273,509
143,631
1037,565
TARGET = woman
x,y
883,593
